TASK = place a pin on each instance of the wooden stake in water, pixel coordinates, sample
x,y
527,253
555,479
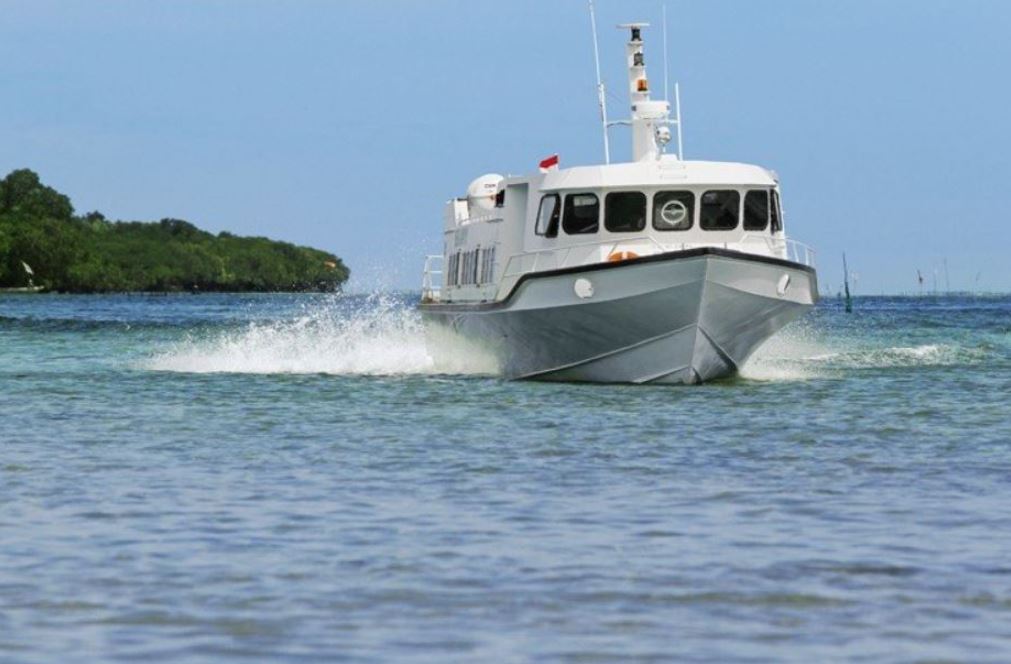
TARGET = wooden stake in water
x,y
846,284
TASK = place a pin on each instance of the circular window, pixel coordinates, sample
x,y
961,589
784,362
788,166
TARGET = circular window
x,y
674,213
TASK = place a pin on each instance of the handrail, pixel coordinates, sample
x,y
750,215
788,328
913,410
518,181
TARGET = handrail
x,y
792,250
431,291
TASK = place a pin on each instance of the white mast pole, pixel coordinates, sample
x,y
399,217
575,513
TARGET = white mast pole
x,y
601,98
677,88
666,75
677,110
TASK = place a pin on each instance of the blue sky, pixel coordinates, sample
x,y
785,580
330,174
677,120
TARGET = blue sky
x,y
346,124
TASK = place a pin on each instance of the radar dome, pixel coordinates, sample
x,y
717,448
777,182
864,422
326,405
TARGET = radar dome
x,y
481,192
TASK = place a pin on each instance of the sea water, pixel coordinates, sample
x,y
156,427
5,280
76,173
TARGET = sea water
x,y
292,478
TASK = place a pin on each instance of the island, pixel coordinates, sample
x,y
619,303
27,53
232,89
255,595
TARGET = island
x,y
44,245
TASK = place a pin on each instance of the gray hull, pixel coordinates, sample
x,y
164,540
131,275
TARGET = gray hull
x,y
682,317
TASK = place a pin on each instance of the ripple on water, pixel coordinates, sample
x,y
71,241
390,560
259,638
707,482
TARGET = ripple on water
x,y
281,478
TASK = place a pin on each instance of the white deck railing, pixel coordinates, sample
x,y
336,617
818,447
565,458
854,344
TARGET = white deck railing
x,y
791,250
431,279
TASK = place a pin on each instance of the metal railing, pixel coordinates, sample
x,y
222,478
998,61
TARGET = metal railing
x,y
791,250
431,286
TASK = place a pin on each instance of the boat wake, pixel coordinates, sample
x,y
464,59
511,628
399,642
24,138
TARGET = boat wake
x,y
382,335
800,353
375,335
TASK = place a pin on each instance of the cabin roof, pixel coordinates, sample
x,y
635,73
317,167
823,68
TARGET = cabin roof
x,y
652,173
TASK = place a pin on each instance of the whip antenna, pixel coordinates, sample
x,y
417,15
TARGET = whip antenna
x,y
666,74
677,107
601,98
677,88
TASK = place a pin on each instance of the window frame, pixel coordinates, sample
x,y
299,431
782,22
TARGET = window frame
x,y
692,208
768,210
645,210
776,219
551,230
737,220
566,208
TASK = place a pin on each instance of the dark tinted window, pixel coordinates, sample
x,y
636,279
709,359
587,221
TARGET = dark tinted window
x,y
582,214
547,216
719,210
673,210
625,211
756,210
777,213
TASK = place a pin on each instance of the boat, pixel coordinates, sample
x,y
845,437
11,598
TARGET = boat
x,y
30,288
656,270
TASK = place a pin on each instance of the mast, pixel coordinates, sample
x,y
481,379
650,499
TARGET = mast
x,y
650,118
30,273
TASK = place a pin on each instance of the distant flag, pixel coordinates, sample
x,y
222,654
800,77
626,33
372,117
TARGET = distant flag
x,y
549,164
28,268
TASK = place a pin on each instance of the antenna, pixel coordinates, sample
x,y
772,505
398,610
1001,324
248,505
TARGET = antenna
x,y
677,88
601,98
677,110
666,76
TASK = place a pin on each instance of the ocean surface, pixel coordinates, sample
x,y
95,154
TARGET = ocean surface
x,y
290,478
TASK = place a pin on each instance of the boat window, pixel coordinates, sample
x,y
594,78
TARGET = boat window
x,y
625,211
777,213
673,210
487,265
719,210
582,214
547,216
500,198
453,272
756,210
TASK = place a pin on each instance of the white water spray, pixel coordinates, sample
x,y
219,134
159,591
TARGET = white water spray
x,y
377,335
802,352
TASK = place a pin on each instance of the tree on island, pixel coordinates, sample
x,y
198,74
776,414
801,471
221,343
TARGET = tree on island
x,y
89,253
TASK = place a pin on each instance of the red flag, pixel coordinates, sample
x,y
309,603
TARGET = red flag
x,y
549,164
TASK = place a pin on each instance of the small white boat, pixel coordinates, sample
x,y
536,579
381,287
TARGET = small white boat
x,y
658,270
30,288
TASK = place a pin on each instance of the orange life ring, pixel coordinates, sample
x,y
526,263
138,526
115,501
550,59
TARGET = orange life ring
x,y
619,256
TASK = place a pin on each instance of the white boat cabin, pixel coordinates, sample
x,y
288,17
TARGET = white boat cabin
x,y
506,227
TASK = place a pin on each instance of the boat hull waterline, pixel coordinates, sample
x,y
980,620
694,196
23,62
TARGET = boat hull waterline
x,y
679,317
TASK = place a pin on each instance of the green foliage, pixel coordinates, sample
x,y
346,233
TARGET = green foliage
x,y
22,194
92,254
